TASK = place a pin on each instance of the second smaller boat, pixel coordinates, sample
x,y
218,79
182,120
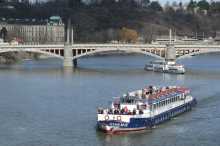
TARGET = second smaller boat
x,y
165,66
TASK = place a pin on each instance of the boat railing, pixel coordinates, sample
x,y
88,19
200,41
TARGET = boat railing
x,y
120,112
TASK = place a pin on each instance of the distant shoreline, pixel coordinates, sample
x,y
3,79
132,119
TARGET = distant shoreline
x,y
16,57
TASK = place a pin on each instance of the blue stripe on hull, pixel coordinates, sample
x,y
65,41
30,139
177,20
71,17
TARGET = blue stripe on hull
x,y
149,122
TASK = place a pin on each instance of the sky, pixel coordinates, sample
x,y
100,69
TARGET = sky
x,y
170,1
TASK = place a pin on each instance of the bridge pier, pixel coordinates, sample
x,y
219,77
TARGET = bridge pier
x,y
170,54
68,56
75,62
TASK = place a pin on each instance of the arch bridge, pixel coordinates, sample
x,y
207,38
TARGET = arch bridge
x,y
70,53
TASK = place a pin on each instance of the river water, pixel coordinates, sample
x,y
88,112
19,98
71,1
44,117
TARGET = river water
x,y
42,104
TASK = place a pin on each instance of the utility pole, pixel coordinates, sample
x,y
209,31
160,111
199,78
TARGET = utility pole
x,y
72,35
170,54
203,36
170,34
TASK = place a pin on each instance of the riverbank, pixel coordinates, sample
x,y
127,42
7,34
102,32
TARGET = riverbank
x,y
15,57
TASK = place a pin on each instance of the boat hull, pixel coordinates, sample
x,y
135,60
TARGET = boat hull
x,y
165,71
113,130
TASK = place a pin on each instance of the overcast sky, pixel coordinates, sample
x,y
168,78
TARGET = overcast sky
x,y
184,1
171,1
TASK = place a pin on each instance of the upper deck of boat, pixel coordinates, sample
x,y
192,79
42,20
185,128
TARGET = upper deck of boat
x,y
151,95
168,93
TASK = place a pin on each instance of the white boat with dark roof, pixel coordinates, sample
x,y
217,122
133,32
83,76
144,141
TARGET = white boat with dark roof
x,y
165,66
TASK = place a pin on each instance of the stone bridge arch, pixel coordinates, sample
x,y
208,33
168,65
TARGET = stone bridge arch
x,y
96,51
198,52
33,51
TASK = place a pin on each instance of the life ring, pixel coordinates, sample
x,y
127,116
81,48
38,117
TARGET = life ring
x,y
106,117
119,118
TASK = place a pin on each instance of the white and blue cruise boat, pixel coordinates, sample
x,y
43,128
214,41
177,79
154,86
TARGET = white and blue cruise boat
x,y
145,108
165,67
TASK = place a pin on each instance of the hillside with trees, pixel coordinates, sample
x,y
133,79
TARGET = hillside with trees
x,y
124,20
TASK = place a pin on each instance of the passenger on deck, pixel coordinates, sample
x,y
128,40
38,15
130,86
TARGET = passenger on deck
x,y
134,112
110,111
126,109
141,112
116,111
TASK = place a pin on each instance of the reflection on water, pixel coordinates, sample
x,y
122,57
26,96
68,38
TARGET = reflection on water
x,y
43,104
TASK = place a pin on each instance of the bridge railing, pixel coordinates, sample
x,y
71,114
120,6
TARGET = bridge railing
x,y
107,46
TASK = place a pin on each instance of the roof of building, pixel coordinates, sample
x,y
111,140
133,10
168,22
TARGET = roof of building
x,y
55,18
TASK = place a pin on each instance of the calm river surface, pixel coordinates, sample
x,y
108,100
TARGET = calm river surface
x,y
43,105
